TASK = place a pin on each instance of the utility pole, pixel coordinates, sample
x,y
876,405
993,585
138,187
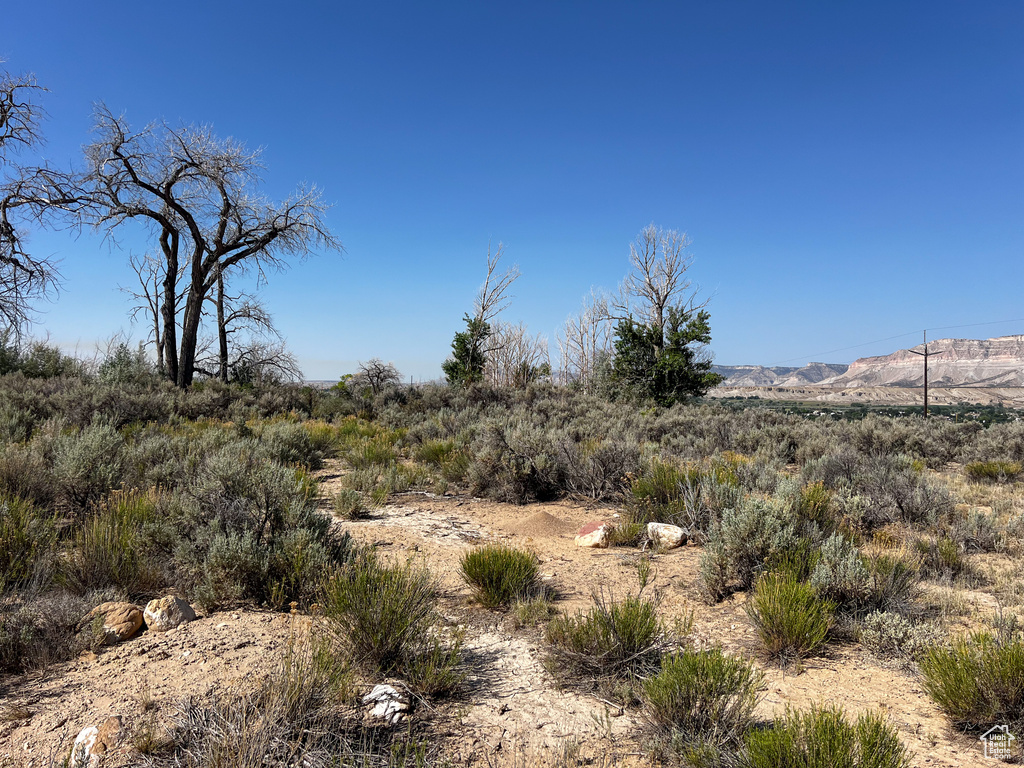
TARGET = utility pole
x,y
925,356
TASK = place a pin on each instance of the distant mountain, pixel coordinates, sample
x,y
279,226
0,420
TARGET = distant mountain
x,y
778,376
995,362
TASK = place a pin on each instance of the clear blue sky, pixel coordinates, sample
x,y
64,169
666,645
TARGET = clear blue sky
x,y
847,172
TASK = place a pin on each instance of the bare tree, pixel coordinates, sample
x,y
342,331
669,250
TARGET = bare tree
x,y
493,296
471,347
261,360
660,260
585,339
377,375
515,358
28,194
196,193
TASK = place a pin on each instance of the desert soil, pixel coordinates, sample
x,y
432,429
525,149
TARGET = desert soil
x,y
512,705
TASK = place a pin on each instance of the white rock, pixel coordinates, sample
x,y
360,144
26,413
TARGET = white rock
x,y
92,743
665,536
168,612
594,535
388,704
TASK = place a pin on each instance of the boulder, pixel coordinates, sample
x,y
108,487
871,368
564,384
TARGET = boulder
x,y
594,534
93,742
388,704
120,620
167,613
665,536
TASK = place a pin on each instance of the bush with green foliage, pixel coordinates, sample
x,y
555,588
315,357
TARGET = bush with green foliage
x,y
704,695
977,680
993,471
384,618
825,738
28,539
613,641
350,505
500,575
791,620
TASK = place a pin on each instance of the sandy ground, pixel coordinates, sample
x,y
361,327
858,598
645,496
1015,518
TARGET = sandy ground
x,y
512,705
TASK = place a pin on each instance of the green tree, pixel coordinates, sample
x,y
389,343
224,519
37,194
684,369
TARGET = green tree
x,y
466,365
664,363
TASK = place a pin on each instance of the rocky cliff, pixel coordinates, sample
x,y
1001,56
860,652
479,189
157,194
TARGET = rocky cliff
x,y
995,362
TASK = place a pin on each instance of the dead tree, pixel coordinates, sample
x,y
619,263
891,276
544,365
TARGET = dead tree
x,y
586,338
659,260
197,194
515,357
28,195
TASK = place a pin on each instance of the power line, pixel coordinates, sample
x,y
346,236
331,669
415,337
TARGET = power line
x,y
897,336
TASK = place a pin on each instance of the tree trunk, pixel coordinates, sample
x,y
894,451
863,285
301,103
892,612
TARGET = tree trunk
x,y
169,347
222,330
190,336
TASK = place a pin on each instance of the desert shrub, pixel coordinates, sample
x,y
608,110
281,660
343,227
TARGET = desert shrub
x,y
377,451
88,463
978,531
891,636
446,456
894,583
123,365
835,470
993,471
841,575
941,558
515,462
790,619
110,549
43,629
385,619
500,575
899,491
289,442
614,640
349,504
744,542
16,424
825,738
703,694
27,542
596,468
977,680
814,504
276,569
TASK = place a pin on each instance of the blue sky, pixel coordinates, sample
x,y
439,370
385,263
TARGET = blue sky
x,y
847,172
